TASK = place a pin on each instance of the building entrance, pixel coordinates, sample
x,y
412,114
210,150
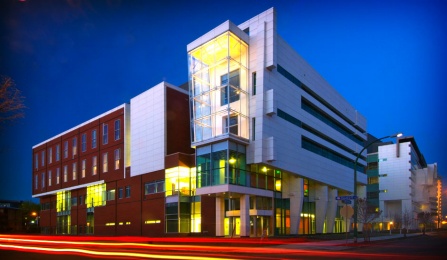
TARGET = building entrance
x,y
232,226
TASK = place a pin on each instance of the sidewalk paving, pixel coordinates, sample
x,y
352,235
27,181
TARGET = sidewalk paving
x,y
341,244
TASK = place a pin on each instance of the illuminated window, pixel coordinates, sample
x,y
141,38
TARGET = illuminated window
x,y
94,138
58,175
84,163
232,84
74,171
94,165
66,149
105,163
219,77
278,185
63,199
373,180
117,159
75,146
50,155
65,173
152,221
110,195
49,177
105,134
84,142
177,180
96,195
117,129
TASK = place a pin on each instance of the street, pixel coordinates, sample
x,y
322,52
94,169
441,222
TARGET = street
x,y
52,247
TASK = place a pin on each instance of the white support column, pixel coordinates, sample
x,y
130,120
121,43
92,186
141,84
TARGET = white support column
x,y
321,201
331,210
296,196
220,216
245,216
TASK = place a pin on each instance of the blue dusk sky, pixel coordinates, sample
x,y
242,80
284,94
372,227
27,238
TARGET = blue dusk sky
x,y
74,60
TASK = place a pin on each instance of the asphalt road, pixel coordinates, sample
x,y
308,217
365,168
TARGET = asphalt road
x,y
431,246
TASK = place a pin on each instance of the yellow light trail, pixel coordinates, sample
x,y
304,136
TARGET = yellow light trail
x,y
83,243
98,253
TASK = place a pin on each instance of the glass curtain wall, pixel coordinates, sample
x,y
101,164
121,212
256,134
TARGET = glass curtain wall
x,y
221,163
218,88
63,209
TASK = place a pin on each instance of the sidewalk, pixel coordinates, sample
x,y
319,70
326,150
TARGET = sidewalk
x,y
342,244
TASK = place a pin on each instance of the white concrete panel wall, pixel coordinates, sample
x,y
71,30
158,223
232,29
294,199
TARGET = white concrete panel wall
x,y
267,47
290,156
148,121
397,182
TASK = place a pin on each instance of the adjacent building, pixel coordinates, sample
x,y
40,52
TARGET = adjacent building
x,y
260,144
402,184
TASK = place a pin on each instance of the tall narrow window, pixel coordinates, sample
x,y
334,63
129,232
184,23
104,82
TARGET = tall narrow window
x,y
231,125
117,129
66,149
105,134
43,158
117,159
84,142
105,163
253,83
75,171
36,161
43,179
58,152
75,146
230,87
49,178
94,138
36,181
50,155
65,173
120,193
253,128
84,163
58,175
94,165
127,191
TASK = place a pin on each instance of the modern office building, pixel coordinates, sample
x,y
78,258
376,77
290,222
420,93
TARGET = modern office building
x,y
400,182
260,145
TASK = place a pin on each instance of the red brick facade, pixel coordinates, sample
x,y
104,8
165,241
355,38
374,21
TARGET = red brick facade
x,y
73,154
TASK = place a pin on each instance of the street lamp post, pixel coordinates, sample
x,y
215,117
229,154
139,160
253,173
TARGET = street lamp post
x,y
355,179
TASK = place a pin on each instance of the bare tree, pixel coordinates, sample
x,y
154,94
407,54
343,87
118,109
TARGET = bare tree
x,y
397,221
366,214
11,101
425,219
406,221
